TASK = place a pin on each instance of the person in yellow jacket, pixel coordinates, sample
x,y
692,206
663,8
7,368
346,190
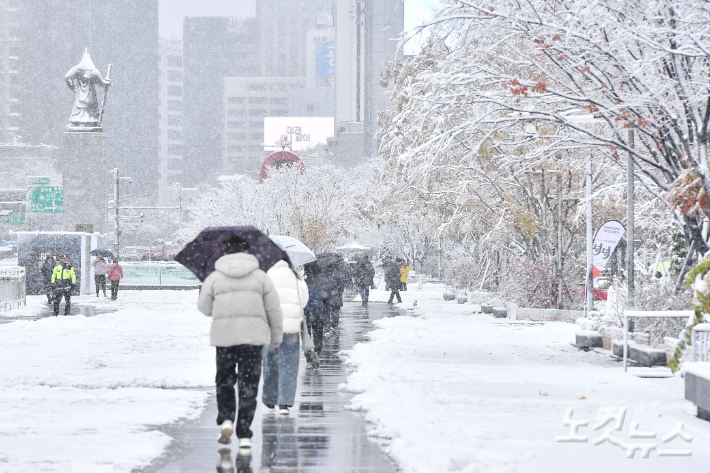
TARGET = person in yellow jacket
x,y
63,282
403,273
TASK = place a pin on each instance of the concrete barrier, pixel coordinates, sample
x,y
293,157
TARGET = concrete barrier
x,y
697,386
548,315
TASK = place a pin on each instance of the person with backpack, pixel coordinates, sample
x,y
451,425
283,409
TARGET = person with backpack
x,y
281,363
115,274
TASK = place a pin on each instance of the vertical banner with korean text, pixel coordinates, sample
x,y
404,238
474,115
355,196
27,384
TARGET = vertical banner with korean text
x,y
605,240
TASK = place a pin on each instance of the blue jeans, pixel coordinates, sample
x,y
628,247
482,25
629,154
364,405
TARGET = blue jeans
x,y
365,292
281,371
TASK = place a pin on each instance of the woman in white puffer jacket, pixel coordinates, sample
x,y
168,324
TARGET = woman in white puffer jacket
x,y
281,364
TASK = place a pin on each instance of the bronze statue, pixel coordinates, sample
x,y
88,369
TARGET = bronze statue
x,y
82,80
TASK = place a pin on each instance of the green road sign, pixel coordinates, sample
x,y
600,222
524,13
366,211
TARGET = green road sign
x,y
45,199
14,219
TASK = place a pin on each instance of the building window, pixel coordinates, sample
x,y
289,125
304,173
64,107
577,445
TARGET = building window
x,y
256,136
258,100
175,164
175,105
257,113
175,91
237,136
175,120
175,150
255,149
175,135
256,86
175,61
279,113
279,101
237,112
310,108
237,100
256,125
236,148
236,124
174,76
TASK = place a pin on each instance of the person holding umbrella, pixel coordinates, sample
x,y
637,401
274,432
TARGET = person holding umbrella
x,y
100,269
246,315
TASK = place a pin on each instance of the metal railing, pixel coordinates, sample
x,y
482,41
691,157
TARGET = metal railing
x,y
12,288
700,342
650,314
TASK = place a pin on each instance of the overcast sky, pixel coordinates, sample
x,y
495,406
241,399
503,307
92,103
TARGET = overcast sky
x,y
173,11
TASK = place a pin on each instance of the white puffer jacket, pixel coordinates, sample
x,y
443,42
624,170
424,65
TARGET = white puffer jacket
x,y
243,303
288,288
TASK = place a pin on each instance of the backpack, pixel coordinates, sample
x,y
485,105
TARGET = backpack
x,y
314,308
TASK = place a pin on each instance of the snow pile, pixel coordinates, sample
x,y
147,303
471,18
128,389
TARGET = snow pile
x,y
450,390
82,393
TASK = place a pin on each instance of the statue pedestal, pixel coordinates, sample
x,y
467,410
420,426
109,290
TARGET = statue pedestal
x,y
84,181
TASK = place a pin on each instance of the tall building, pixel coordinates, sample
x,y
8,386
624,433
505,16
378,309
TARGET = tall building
x,y
9,71
171,128
247,101
366,36
124,33
213,48
282,34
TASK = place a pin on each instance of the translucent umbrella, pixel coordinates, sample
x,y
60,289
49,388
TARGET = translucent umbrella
x,y
297,252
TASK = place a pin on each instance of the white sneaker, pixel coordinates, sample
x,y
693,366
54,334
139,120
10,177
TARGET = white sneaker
x,y
244,443
283,410
267,408
226,432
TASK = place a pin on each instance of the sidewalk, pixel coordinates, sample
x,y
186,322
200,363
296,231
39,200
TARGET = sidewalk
x,y
320,435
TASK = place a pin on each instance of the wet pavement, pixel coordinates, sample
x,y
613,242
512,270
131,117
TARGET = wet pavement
x,y
320,435
87,310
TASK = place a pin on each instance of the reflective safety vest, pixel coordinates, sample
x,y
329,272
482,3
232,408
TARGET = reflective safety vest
x,y
63,276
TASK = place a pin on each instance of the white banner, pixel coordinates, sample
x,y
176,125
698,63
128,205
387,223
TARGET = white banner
x,y
605,241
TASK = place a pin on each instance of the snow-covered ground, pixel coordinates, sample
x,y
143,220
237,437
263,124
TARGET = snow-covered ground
x,y
454,391
82,393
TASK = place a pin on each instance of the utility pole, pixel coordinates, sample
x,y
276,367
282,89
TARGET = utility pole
x,y
589,284
358,66
630,224
116,180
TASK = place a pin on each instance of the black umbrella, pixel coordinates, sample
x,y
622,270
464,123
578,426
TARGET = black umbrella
x,y
201,254
101,252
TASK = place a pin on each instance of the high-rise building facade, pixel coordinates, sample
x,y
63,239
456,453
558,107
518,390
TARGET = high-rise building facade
x,y
247,101
171,119
366,36
282,34
9,72
52,37
213,48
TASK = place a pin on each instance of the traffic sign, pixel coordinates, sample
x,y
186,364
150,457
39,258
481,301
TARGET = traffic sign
x,y
45,199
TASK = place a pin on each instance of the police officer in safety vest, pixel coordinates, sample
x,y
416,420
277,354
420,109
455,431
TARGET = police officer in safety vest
x,y
63,281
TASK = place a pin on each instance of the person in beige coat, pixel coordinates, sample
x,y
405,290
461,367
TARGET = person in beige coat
x,y
246,315
281,364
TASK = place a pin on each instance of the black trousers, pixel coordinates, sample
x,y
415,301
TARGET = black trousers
x,y
315,327
66,293
404,286
49,290
114,290
247,360
395,292
100,280
331,314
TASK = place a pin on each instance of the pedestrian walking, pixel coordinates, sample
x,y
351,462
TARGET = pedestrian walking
x,y
392,276
314,310
100,269
281,363
47,270
246,315
63,282
364,276
115,274
331,284
404,273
